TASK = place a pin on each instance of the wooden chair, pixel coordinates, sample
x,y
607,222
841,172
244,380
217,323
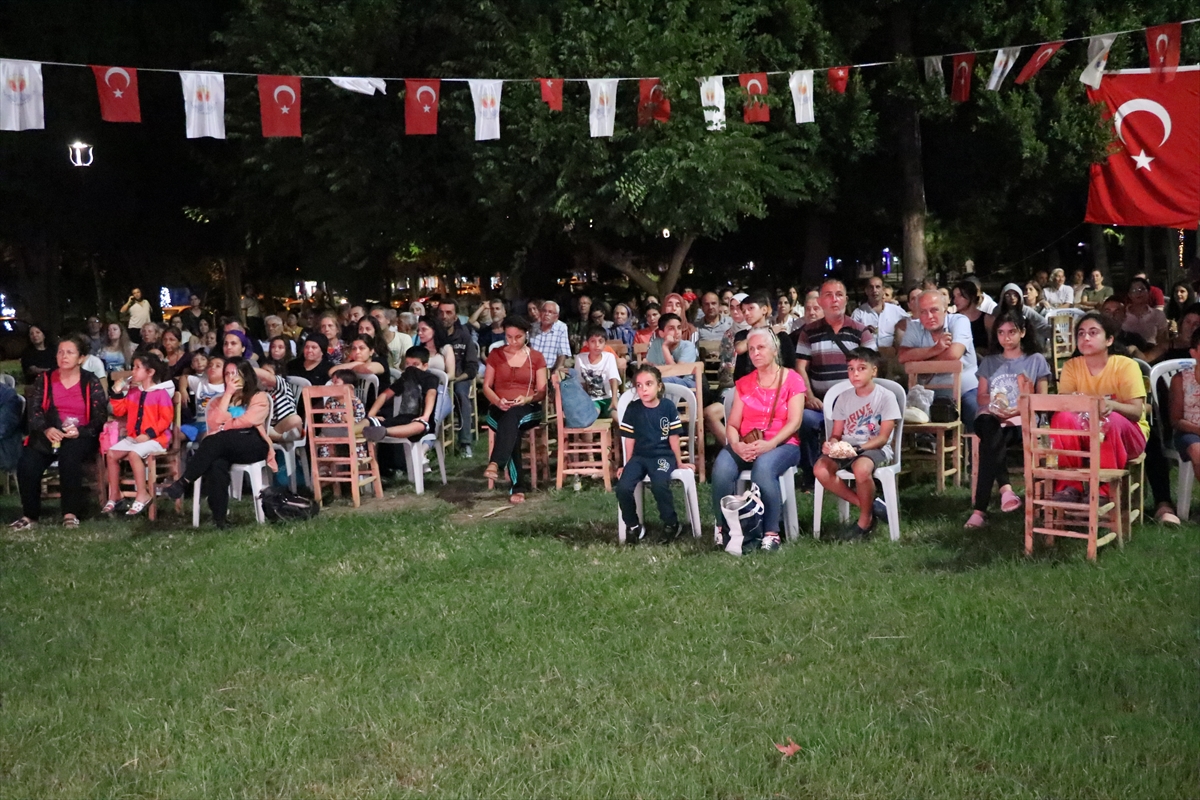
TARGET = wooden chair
x,y
583,451
1160,390
947,436
696,372
1062,336
639,351
710,354
1052,518
537,454
341,440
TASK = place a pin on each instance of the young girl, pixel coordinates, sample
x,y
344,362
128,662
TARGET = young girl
x,y
1185,410
1018,368
335,412
651,431
149,408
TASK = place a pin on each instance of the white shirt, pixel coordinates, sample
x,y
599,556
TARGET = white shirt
x,y
139,314
881,323
987,304
1062,296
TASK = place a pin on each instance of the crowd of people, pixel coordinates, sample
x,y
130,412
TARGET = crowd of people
x,y
776,357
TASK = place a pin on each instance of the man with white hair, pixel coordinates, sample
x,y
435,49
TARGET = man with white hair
x,y
1057,294
274,325
944,337
550,338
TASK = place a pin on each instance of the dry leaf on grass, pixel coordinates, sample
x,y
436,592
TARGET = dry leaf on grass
x,y
789,749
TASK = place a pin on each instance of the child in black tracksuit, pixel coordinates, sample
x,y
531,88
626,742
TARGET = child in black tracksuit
x,y
650,428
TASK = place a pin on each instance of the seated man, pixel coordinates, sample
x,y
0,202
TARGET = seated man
x,y
668,347
417,390
944,337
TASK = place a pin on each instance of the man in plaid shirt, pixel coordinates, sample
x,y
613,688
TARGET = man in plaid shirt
x,y
550,338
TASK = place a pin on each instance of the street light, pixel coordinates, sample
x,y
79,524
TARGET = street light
x,y
80,154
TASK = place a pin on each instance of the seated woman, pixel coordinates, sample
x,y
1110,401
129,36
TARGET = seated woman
x,y
1185,410
966,302
174,354
329,327
650,315
361,360
1096,372
203,326
763,433
66,412
313,363
39,355
515,384
1011,299
236,344
1017,368
117,348
432,337
621,330
1146,321
236,434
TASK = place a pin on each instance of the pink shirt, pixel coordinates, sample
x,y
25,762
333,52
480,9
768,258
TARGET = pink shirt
x,y
756,403
69,402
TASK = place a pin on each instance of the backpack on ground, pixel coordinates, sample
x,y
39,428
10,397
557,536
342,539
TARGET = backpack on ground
x,y
282,505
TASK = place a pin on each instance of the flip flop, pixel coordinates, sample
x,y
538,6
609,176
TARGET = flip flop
x,y
70,522
977,520
109,507
1010,501
136,508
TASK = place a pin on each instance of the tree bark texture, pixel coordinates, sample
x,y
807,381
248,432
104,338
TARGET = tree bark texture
x,y
908,140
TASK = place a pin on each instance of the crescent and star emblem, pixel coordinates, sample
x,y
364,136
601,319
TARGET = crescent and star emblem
x,y
961,72
283,87
1160,47
656,89
432,94
1044,56
754,82
1142,104
116,71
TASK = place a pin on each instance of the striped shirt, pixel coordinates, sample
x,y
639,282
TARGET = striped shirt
x,y
817,344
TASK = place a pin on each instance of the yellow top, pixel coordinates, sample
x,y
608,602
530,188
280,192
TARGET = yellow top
x,y
1120,380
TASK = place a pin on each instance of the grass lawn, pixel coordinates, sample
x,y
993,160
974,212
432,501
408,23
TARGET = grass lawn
x,y
418,649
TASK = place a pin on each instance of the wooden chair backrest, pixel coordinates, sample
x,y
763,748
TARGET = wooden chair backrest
x,y
320,431
640,349
619,349
938,370
709,348
1040,451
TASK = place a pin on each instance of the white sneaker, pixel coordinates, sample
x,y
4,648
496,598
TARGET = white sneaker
x,y
467,452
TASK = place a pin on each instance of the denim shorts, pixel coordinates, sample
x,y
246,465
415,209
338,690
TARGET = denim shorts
x,y
1183,441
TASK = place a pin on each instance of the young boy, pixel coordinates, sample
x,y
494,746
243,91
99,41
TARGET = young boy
x,y
863,420
598,370
650,429
417,390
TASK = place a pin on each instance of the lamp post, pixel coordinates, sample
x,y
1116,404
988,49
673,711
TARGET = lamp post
x,y
80,155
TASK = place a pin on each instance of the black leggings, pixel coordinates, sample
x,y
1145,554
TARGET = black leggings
x,y
994,441
506,449
215,458
72,455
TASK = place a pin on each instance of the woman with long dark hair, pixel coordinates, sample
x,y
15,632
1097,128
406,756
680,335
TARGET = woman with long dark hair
x,y
515,384
39,355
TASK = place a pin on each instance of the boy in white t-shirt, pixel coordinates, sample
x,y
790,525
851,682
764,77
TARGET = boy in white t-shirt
x,y
598,370
861,440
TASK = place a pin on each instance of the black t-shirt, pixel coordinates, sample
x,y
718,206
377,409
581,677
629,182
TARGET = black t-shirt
x,y
317,376
46,359
743,367
411,388
651,428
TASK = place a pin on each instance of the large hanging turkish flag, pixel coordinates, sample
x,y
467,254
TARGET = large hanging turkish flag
x,y
279,105
1153,177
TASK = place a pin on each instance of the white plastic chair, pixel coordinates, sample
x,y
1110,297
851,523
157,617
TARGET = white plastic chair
x,y
886,475
8,379
414,452
237,473
787,483
1162,373
687,477
366,389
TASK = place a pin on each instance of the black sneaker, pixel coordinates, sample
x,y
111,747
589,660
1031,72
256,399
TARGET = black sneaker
x,y
222,524
634,534
670,533
879,509
175,491
856,534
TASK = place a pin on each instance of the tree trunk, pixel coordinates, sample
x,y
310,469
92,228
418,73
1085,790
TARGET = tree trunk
x,y
816,248
623,263
1170,250
912,195
233,285
1099,251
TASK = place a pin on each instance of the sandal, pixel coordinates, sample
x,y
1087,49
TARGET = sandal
x,y
517,499
1166,515
109,507
977,520
136,508
23,524
1010,501
71,521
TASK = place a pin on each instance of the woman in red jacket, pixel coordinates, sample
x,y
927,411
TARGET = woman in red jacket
x,y
237,434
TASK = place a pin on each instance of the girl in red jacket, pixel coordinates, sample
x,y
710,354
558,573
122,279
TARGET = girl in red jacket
x,y
149,409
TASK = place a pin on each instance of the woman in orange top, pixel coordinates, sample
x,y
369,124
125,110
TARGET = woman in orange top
x,y
237,434
515,384
650,315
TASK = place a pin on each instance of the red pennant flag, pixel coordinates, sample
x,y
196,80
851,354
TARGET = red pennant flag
x,y
755,83
837,77
421,99
653,105
552,92
1163,43
1037,61
279,104
118,90
1153,179
963,65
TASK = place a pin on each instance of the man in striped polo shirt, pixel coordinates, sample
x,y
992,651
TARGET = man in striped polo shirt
x,y
822,348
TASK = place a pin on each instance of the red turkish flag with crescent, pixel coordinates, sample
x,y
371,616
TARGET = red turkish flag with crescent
x,y
963,66
755,83
1163,43
1038,60
653,105
552,92
118,90
421,99
1153,177
837,78
279,104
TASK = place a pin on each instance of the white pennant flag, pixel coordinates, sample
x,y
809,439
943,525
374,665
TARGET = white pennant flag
x,y
1098,47
486,95
1006,59
21,106
362,85
933,71
604,105
712,98
204,104
802,94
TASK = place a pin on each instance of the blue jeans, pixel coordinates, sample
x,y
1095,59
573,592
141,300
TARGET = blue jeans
x,y
765,471
812,436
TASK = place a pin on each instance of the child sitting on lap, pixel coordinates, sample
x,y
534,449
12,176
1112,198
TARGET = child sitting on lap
x,y
650,429
862,432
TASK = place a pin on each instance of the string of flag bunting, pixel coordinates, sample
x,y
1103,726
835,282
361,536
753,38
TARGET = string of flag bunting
x,y
22,107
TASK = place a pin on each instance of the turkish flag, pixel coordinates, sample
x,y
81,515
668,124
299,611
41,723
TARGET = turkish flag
x,y
552,92
279,104
1038,60
653,105
117,87
963,65
1153,178
755,83
421,98
1163,43
837,77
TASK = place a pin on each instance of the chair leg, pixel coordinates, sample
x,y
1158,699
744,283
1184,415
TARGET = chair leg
x,y
606,446
440,449
940,458
416,467
1186,479
818,502
891,497
196,502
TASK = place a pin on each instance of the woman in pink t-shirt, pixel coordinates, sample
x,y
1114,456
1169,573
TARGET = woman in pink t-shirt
x,y
770,400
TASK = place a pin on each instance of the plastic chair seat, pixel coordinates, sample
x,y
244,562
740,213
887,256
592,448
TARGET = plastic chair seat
x,y
237,473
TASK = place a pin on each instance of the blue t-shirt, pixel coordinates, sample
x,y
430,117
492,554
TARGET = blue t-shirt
x,y
651,428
